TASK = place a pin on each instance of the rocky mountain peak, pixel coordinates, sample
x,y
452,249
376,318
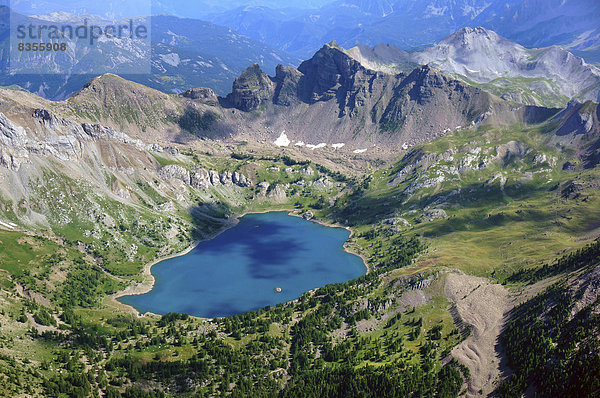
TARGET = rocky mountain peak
x,y
112,86
251,88
425,75
468,34
470,42
483,56
330,69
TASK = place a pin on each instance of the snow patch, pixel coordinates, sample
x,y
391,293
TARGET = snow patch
x,y
338,146
300,143
7,225
318,146
171,59
359,150
282,140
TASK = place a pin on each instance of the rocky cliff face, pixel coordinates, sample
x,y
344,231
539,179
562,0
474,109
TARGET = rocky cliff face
x,y
578,126
203,179
251,88
332,75
442,100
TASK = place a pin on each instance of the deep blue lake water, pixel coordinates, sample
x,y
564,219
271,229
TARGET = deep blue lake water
x,y
240,269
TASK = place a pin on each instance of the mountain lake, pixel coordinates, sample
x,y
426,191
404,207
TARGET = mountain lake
x,y
264,260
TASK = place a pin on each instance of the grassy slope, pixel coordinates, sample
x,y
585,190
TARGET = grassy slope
x,y
500,228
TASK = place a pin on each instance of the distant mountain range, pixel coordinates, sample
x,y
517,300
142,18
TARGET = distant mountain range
x,y
412,24
185,53
197,9
190,53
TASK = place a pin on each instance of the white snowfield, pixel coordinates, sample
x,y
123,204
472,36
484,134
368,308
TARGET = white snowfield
x,y
318,146
283,140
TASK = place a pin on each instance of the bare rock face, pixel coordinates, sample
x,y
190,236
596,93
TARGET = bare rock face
x,y
251,88
203,95
240,180
226,178
173,171
277,193
308,171
13,141
433,214
322,182
287,79
264,187
332,74
512,149
215,179
200,179
578,125
424,97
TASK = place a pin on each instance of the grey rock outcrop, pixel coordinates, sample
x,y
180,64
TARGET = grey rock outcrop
x,y
397,221
322,182
240,180
202,178
203,95
173,171
226,178
215,179
307,171
433,214
277,193
264,187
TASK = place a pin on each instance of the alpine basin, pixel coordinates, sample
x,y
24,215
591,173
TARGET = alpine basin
x,y
243,268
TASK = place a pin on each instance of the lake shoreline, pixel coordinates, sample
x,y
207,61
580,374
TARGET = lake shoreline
x,y
147,285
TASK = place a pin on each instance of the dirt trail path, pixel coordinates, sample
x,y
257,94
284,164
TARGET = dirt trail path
x,y
484,306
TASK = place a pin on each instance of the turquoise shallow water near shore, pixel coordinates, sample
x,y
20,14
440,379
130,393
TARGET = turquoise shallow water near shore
x,y
240,269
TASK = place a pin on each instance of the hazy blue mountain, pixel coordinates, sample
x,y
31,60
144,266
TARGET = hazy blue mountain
x,y
185,53
107,8
129,8
410,24
203,8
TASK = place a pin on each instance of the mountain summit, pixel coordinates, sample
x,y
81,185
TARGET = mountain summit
x,y
547,76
